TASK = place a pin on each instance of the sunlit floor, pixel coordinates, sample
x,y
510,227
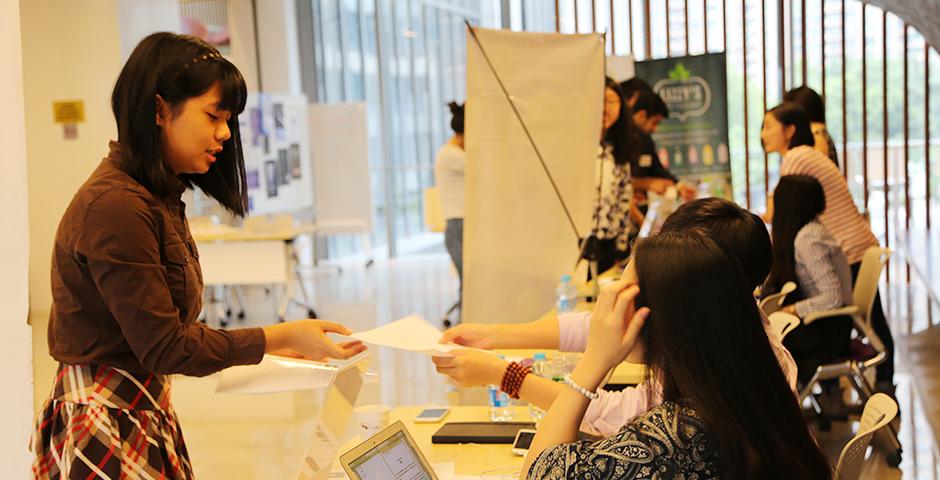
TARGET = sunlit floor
x,y
265,436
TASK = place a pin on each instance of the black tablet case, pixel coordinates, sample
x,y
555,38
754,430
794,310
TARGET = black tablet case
x,y
479,432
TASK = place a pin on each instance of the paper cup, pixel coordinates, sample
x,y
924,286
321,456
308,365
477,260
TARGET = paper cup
x,y
372,419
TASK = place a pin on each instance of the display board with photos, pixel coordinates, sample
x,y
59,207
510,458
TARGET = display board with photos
x,y
275,138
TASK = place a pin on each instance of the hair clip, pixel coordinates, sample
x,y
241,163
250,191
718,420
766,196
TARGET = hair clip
x,y
212,55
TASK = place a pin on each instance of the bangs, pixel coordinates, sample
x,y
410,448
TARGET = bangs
x,y
203,75
232,86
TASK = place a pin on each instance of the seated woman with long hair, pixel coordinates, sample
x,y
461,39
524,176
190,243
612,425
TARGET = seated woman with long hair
x,y
727,410
807,254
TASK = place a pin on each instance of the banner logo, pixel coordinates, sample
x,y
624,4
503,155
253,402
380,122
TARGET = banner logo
x,y
685,95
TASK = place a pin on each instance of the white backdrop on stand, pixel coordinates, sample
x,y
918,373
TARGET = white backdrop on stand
x,y
517,240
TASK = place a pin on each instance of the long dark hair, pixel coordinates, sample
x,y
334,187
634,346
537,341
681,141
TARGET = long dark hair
x,y
810,101
456,116
177,68
735,229
729,376
791,114
622,136
798,199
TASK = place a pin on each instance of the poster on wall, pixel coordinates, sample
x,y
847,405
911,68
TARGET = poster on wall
x,y
277,153
693,141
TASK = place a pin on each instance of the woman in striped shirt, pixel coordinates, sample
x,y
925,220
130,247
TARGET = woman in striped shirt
x,y
786,131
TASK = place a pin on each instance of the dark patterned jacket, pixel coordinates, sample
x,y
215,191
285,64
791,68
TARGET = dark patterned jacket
x,y
668,441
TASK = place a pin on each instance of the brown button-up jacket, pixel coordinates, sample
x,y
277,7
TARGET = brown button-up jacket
x,y
127,286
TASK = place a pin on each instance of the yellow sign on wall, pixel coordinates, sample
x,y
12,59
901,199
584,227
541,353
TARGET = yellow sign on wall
x,y
69,111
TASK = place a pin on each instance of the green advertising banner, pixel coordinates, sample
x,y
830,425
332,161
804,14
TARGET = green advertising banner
x,y
693,141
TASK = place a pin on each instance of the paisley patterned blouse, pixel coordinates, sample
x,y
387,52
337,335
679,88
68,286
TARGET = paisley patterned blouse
x,y
613,201
669,441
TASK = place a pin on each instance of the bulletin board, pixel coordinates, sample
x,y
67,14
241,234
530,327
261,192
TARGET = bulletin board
x,y
275,139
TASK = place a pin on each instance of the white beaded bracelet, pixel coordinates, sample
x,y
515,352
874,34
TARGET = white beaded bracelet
x,y
578,388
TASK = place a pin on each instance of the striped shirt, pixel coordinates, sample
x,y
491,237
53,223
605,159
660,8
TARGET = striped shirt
x,y
821,270
449,177
841,217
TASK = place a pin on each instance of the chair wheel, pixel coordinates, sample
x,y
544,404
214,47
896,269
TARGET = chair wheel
x,y
241,315
446,323
228,313
223,323
311,313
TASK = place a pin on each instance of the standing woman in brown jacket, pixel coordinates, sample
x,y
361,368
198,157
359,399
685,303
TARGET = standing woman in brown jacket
x,y
126,281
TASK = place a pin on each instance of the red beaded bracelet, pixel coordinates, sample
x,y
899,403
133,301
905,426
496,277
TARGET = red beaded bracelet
x,y
512,379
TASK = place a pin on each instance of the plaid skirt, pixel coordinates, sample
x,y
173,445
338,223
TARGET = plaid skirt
x,y
103,422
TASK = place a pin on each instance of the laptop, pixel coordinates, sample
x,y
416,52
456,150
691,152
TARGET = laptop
x,y
334,417
387,455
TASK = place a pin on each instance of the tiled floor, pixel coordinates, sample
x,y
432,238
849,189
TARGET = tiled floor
x,y
264,437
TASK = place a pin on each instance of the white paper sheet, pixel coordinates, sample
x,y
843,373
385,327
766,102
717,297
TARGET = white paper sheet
x,y
412,333
277,374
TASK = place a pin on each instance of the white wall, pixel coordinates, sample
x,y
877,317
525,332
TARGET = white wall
x,y
15,356
277,39
139,18
73,51
242,47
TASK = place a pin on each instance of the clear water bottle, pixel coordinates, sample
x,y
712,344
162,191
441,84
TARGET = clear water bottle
x,y
567,295
500,405
540,367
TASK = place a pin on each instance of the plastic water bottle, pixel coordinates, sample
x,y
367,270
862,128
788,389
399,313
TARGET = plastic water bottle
x,y
567,295
500,404
539,369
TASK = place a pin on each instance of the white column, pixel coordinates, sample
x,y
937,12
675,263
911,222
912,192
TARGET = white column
x,y
16,353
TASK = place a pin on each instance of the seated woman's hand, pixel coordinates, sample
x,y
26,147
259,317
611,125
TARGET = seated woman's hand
x,y
474,335
615,325
470,368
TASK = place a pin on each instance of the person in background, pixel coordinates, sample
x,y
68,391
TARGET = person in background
x,y
632,88
814,106
126,281
726,411
806,254
449,165
786,131
648,172
619,141
734,228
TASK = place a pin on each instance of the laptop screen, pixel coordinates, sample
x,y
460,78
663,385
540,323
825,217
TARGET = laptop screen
x,y
394,458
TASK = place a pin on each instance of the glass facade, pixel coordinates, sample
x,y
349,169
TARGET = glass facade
x,y
407,58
